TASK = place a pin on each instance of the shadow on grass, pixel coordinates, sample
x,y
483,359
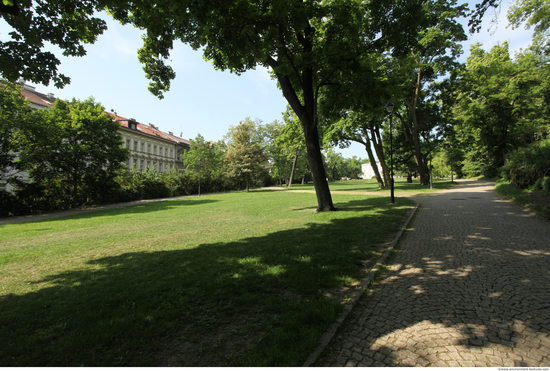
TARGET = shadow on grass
x,y
257,301
143,208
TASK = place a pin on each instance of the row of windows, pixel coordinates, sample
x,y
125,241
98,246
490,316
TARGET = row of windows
x,y
156,150
143,164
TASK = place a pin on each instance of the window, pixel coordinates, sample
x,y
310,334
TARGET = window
x,y
148,150
166,152
160,167
128,143
171,153
142,147
141,164
155,150
160,151
135,145
135,164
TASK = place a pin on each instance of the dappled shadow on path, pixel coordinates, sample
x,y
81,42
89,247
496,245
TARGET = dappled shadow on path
x,y
470,286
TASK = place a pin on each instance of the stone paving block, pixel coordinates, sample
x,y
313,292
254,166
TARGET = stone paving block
x,y
463,363
345,353
351,363
367,361
466,288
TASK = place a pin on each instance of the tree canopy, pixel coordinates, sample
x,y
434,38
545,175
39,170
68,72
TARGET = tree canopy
x,y
72,151
67,24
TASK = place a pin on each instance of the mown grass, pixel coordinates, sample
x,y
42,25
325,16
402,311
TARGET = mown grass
x,y
370,185
222,280
537,201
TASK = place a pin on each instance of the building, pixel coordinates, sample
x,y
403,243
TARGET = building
x,y
151,147
368,171
148,145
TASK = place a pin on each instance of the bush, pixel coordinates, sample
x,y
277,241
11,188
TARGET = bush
x,y
538,184
546,184
527,165
489,171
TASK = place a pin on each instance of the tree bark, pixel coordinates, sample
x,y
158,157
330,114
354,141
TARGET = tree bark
x,y
293,168
411,134
377,141
373,160
308,117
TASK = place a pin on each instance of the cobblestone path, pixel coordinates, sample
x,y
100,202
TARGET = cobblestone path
x,y
469,286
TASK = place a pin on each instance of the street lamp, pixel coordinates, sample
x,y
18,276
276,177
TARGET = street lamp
x,y
389,108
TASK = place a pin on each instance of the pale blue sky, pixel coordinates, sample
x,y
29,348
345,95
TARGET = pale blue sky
x,y
201,99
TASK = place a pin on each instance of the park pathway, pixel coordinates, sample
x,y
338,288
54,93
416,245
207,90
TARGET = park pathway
x,y
469,286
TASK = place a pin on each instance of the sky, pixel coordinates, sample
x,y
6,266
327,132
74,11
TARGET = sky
x,y
201,100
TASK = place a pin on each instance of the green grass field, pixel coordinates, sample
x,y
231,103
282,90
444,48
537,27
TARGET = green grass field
x,y
240,279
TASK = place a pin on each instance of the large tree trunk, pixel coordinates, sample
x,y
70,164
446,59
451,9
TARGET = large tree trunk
x,y
307,113
412,136
378,147
320,183
373,160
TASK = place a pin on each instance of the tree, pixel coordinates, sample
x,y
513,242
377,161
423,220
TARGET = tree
x,y
531,13
15,116
291,139
334,164
501,102
361,127
209,154
74,152
245,161
67,24
276,153
308,46
431,55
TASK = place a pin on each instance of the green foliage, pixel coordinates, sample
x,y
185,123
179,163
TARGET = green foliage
x,y
531,13
245,160
74,152
208,155
15,116
528,165
64,23
501,102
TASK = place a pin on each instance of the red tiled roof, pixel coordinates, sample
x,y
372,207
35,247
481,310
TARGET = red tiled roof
x,y
150,129
47,100
44,100
38,98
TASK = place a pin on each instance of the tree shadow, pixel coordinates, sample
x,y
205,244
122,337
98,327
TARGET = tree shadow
x,y
141,208
255,301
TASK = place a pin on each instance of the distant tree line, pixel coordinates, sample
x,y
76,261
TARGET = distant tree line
x,y
71,155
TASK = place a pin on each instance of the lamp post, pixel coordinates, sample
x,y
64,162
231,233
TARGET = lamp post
x,y
389,108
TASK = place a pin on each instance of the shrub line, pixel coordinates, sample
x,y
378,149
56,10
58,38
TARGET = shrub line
x,y
326,338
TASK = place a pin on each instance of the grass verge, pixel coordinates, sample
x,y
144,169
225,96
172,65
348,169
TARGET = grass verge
x,y
537,201
242,279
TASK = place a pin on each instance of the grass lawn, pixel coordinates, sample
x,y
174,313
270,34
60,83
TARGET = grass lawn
x,y
537,201
240,279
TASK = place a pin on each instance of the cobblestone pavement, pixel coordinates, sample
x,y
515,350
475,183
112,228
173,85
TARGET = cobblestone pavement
x,y
469,286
